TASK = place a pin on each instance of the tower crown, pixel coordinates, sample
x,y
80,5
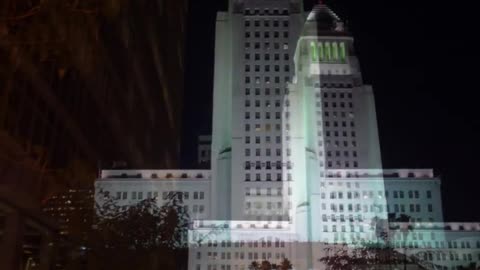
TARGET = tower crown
x,y
323,20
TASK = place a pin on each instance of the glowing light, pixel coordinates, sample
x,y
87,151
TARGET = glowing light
x,y
313,47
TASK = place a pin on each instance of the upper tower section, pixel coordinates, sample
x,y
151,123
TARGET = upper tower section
x,y
325,48
322,21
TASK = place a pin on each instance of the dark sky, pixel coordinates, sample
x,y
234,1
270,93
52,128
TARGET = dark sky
x,y
420,57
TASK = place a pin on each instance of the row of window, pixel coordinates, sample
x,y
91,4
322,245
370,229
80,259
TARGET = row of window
x,y
338,154
267,46
268,139
414,208
268,177
267,102
211,255
139,195
268,205
268,115
343,114
266,79
400,208
267,92
266,34
338,123
411,194
258,165
266,68
266,23
236,244
339,164
266,11
340,104
336,143
334,95
266,192
327,51
257,116
340,184
268,152
336,133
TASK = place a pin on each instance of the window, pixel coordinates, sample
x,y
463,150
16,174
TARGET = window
x,y
429,194
342,52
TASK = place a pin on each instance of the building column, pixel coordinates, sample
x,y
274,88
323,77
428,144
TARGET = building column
x,y
46,251
11,242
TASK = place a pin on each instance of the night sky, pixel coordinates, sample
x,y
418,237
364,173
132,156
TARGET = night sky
x,y
420,57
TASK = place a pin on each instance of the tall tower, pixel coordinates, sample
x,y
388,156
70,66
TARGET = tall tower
x,y
330,129
291,113
255,42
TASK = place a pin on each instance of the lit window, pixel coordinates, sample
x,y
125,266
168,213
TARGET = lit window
x,y
342,52
335,51
328,54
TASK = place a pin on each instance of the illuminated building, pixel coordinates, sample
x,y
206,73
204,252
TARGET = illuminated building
x,y
296,163
73,211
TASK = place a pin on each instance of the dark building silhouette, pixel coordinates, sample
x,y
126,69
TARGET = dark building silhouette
x,y
88,84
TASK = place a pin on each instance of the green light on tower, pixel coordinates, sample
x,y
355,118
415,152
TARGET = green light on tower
x,y
314,51
328,52
321,51
335,51
343,55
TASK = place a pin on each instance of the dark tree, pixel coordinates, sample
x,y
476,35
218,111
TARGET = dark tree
x,y
366,256
142,236
285,264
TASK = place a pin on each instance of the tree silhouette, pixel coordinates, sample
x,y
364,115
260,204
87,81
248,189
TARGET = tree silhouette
x,y
142,236
364,256
285,264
